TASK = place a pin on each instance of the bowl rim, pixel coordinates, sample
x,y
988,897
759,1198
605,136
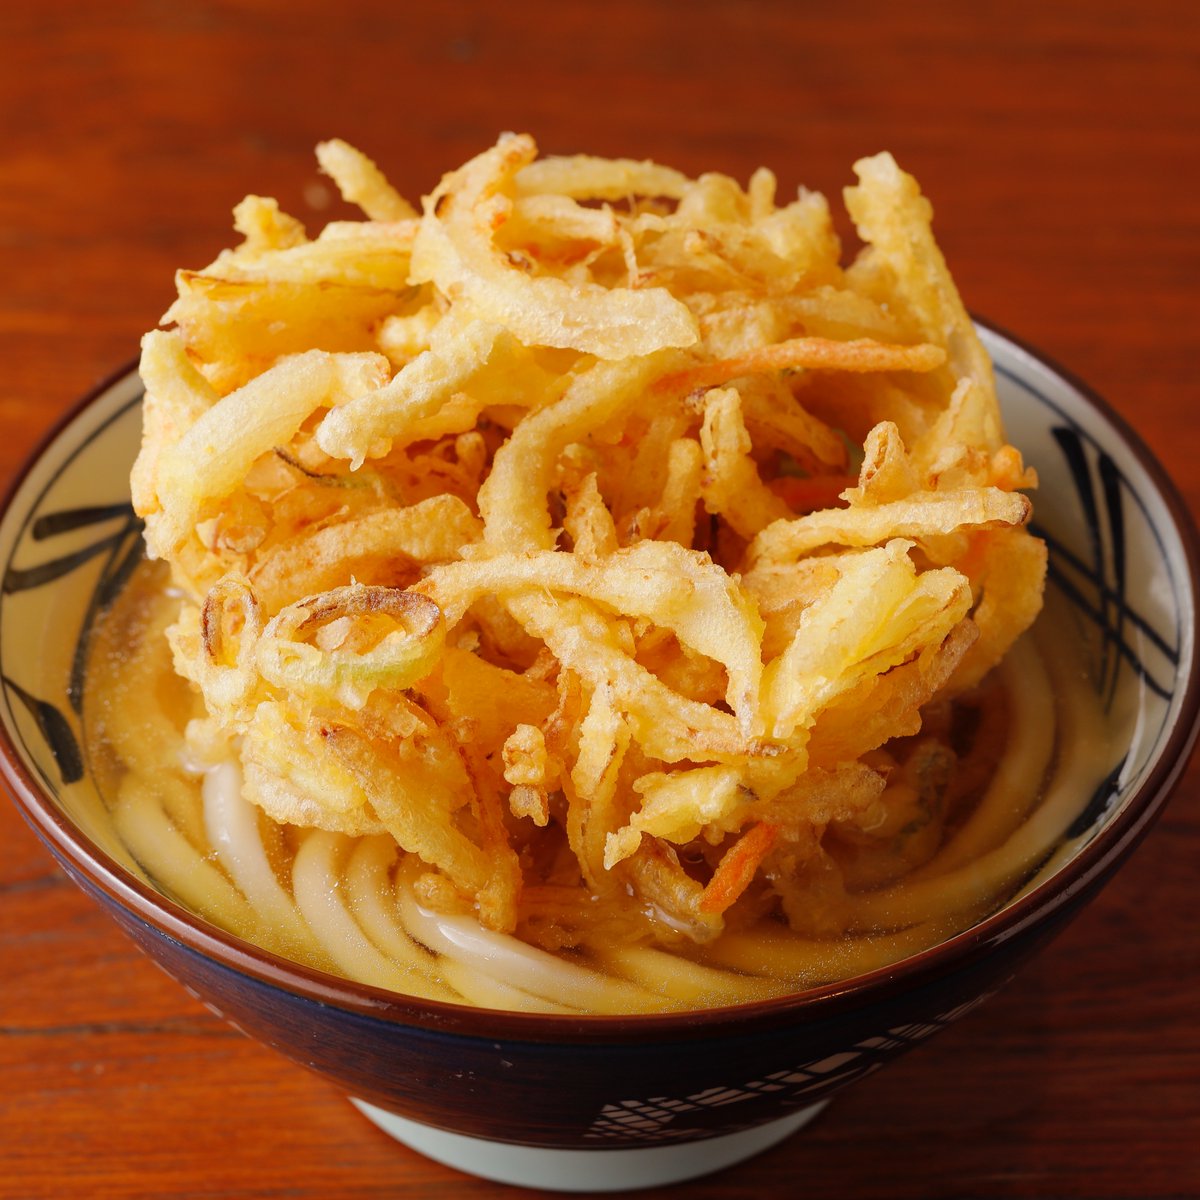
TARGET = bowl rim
x,y
97,872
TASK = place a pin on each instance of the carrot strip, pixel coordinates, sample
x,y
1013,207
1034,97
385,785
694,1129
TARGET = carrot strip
x,y
737,867
809,493
810,353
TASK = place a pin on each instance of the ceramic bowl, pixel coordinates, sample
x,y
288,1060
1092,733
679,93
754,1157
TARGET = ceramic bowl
x,y
603,1103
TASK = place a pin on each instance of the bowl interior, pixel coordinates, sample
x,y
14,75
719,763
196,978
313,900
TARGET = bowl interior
x,y
1122,570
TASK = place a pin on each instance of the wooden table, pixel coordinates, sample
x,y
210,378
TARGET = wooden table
x,y
1060,145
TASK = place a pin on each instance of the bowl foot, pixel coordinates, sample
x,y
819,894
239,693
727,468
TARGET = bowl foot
x,y
586,1170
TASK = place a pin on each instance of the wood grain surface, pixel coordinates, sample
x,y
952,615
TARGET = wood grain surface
x,y
1059,143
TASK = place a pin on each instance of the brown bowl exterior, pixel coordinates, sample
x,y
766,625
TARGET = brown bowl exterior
x,y
587,1083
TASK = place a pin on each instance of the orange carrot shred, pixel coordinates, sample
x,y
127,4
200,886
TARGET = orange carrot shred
x,y
737,867
807,494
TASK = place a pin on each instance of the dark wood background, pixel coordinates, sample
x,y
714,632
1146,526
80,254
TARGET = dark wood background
x,y
1059,143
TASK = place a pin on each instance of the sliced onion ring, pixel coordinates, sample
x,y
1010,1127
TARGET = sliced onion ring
x,y
288,658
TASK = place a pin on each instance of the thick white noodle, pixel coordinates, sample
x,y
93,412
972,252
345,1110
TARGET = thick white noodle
x,y
317,884
804,962
475,987
177,798
372,900
692,984
231,822
173,861
522,966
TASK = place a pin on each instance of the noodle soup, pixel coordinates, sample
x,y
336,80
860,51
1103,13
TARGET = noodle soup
x,y
590,594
